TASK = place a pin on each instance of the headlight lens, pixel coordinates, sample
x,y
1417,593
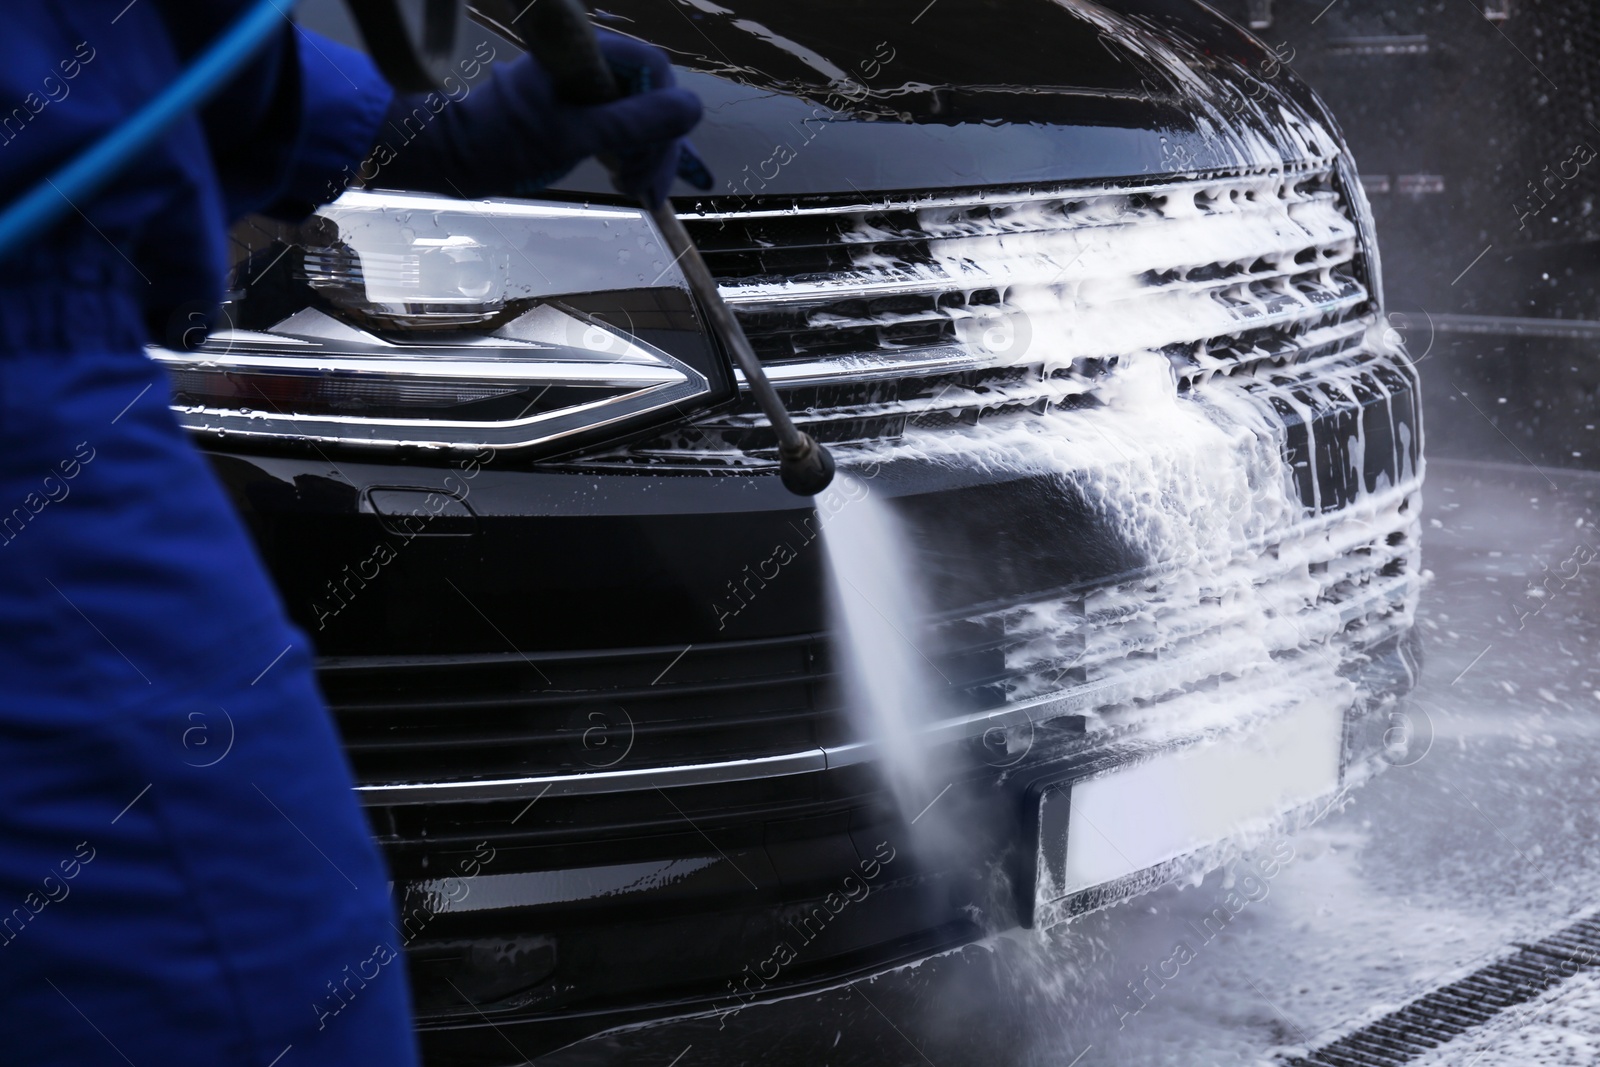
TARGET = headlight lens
x,y
393,319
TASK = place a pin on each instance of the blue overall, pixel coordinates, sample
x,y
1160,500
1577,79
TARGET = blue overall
x,y
185,875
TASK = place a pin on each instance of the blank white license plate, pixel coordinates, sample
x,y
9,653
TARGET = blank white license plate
x,y
1178,802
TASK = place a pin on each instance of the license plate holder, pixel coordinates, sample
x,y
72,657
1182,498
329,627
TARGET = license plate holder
x,y
1109,833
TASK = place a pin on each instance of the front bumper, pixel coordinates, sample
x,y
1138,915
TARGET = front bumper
x,y
583,838
548,920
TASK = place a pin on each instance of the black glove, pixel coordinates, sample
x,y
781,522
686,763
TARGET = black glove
x,y
510,135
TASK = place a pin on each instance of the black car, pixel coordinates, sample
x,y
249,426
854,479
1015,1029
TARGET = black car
x,y
1085,294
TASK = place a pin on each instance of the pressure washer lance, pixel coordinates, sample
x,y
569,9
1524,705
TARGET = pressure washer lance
x,y
560,37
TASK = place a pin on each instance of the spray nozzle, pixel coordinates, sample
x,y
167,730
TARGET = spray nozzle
x,y
805,466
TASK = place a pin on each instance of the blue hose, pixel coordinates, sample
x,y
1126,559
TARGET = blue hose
x,y
43,205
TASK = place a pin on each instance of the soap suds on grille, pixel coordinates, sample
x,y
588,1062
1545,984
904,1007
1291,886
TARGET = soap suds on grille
x,y
1180,456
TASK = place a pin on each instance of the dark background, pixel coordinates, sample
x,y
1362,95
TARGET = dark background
x,y
1463,115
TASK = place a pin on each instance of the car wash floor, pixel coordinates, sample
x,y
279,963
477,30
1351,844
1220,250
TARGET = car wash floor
x,y
1437,917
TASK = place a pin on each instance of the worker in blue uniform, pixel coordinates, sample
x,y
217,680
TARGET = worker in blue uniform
x,y
185,875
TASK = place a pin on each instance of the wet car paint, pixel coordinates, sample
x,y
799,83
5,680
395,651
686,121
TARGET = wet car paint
x,y
844,97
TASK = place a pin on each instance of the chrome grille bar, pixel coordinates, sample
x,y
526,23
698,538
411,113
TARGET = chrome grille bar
x,y
955,297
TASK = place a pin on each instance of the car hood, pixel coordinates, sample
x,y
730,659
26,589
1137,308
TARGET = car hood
x,y
850,96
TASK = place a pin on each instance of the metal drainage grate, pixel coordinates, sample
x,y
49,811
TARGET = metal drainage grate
x,y
1449,1011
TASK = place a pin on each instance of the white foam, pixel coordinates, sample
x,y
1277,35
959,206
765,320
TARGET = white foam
x,y
1243,592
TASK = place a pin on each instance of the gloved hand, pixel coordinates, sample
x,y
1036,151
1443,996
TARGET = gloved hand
x,y
509,135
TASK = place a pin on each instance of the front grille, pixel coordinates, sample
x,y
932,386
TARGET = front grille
x,y
1346,581
500,716
870,317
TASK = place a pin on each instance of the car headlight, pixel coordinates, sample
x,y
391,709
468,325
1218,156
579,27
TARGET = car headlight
x,y
397,319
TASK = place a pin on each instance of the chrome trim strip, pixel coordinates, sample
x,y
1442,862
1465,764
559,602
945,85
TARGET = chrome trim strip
x,y
1064,192
591,782
866,366
842,286
529,371
499,208
428,433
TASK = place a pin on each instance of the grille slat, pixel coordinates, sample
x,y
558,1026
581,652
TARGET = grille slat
x,y
1226,276
466,704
